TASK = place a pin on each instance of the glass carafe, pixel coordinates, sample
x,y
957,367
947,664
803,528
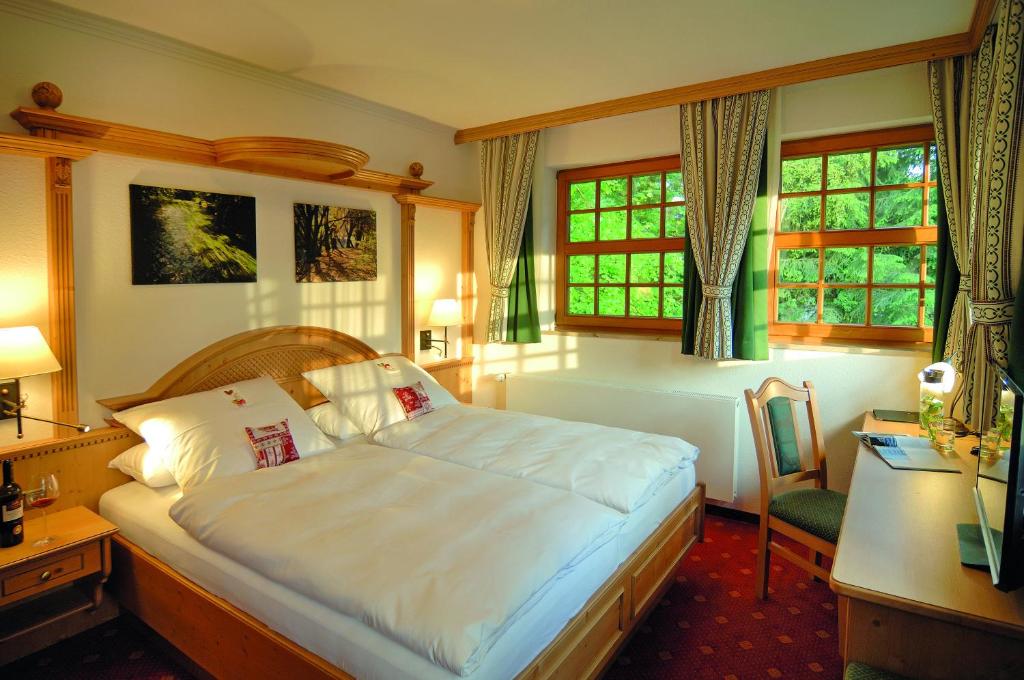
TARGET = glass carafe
x,y
932,402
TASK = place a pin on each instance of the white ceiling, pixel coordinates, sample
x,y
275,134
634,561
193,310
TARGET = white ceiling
x,y
471,62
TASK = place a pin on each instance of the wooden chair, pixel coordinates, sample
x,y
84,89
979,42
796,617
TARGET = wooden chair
x,y
810,515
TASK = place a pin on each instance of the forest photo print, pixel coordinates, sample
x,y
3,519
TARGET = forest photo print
x,y
335,244
182,236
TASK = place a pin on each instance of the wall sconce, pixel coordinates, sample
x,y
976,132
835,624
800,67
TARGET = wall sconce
x,y
444,313
24,352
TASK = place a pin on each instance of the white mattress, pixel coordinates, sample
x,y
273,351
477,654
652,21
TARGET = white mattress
x,y
141,514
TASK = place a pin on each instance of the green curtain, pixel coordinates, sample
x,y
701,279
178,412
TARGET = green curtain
x,y
947,279
1016,362
523,321
749,290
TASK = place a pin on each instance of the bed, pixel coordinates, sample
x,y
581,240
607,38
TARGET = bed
x,y
236,623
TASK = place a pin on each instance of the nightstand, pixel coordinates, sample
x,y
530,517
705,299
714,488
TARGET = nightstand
x,y
59,583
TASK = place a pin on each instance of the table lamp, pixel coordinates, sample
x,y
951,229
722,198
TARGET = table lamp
x,y
444,313
23,353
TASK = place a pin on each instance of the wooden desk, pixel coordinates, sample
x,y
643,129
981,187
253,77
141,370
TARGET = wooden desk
x,y
906,604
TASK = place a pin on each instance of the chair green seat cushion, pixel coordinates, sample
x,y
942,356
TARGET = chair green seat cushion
x,y
819,512
860,671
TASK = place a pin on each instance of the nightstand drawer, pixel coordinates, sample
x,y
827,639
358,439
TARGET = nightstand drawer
x,y
42,575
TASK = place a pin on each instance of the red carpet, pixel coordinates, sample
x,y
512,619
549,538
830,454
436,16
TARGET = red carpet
x,y
709,626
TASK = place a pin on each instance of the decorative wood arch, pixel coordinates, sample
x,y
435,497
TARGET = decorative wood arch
x,y
281,352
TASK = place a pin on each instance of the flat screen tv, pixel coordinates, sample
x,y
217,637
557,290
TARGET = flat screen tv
x,y
999,492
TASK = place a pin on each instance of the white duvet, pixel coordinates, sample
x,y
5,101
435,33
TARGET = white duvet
x,y
436,556
618,468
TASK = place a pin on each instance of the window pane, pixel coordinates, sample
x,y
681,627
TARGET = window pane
x,y
673,267
929,307
896,264
643,301
801,174
930,262
675,221
894,307
899,166
611,301
674,187
846,265
899,208
847,211
647,223
798,305
844,305
673,302
933,206
581,227
798,265
847,170
581,269
582,195
800,214
611,268
933,164
647,189
613,192
645,268
613,225
581,300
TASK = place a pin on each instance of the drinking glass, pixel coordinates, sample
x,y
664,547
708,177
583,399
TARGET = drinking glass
x,y
945,435
44,492
990,442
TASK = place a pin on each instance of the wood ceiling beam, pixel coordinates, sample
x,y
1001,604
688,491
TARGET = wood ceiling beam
x,y
830,67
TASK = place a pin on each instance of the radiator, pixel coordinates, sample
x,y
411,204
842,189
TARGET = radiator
x,y
708,421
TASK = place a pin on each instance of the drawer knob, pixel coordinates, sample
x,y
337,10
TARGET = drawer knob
x,y
45,576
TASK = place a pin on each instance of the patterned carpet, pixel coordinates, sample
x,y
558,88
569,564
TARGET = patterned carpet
x,y
709,626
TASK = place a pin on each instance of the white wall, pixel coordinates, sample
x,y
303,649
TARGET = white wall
x,y
438,262
849,381
130,335
23,271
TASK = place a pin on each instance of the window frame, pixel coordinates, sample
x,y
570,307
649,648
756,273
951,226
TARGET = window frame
x,y
662,245
874,141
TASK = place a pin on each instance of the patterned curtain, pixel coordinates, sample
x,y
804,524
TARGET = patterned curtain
x,y
996,257
961,95
506,175
722,143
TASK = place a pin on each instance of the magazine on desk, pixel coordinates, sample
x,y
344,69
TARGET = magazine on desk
x,y
903,452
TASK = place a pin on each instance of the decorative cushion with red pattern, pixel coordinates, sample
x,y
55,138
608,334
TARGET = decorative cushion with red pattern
x,y
272,444
414,400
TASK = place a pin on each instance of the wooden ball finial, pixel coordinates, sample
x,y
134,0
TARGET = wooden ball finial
x,y
46,95
416,169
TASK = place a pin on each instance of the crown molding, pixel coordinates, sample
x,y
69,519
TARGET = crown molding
x,y
108,29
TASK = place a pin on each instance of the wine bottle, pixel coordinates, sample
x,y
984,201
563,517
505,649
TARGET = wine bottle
x,y
12,530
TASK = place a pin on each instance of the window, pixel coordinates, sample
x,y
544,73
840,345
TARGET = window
x,y
855,238
621,233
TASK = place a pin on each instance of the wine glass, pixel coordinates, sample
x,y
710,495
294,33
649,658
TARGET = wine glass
x,y
44,493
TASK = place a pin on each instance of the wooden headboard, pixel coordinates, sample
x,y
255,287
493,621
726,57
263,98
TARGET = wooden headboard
x,y
282,352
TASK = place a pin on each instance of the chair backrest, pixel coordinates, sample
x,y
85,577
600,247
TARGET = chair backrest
x,y
775,426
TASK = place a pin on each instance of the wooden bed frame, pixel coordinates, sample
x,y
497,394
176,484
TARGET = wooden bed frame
x,y
227,642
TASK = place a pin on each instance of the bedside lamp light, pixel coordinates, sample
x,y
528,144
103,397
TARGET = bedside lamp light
x,y
23,353
444,313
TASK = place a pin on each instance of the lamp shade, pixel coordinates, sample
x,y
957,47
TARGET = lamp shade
x,y
445,312
23,352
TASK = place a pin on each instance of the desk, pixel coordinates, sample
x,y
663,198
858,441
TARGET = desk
x,y
906,604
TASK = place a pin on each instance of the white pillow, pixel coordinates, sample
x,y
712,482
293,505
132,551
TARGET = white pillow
x,y
146,466
333,422
201,436
363,391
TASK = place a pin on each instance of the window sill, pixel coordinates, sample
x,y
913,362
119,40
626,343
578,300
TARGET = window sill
x,y
774,342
